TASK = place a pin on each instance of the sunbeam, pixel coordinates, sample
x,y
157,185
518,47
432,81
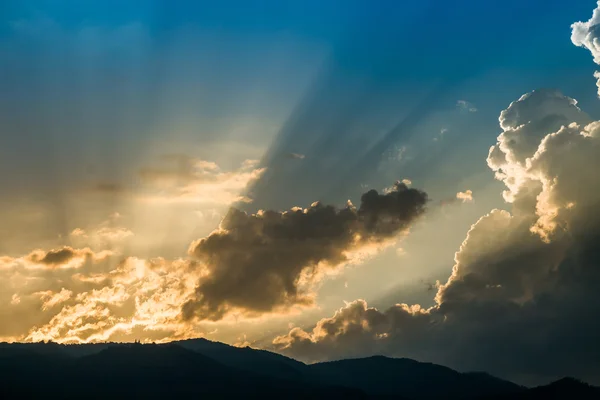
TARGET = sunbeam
x,y
321,179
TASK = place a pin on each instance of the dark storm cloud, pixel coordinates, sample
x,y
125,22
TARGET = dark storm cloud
x,y
262,262
58,256
61,257
521,301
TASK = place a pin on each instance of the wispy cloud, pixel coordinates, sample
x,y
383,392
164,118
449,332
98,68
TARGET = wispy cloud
x,y
189,179
465,106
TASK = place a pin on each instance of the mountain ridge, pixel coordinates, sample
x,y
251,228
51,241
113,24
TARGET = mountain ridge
x,y
204,367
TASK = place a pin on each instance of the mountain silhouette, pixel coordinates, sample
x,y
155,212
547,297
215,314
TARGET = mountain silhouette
x,y
565,388
383,376
246,358
203,368
142,371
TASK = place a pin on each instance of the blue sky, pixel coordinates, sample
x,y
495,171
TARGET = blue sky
x,y
142,68
97,95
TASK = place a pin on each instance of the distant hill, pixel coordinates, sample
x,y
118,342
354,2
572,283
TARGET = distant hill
x,y
143,371
246,358
566,388
203,368
383,376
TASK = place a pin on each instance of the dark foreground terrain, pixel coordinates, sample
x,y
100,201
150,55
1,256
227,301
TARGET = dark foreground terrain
x,y
201,368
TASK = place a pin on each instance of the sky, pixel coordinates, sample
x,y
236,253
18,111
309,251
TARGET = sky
x,y
324,179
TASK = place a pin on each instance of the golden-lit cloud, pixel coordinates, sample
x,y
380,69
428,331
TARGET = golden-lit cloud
x,y
51,299
107,233
253,264
136,296
465,197
77,295
525,278
93,290
269,261
188,179
242,341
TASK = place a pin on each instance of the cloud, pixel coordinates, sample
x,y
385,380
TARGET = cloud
x,y
36,283
105,234
98,300
136,296
465,106
52,299
182,169
441,135
188,179
264,262
296,156
15,299
521,301
587,35
113,234
465,197
78,232
62,258
356,330
57,257
398,154
242,342
109,234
